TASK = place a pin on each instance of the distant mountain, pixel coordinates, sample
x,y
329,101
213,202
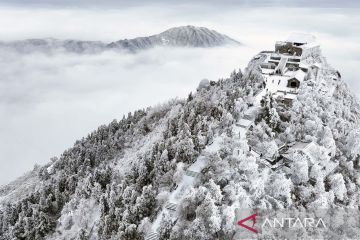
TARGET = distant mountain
x,y
48,45
186,36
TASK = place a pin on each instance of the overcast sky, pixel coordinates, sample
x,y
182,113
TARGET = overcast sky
x,y
204,3
47,102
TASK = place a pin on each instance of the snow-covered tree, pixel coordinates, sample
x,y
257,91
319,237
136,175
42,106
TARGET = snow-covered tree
x,y
280,188
338,186
300,168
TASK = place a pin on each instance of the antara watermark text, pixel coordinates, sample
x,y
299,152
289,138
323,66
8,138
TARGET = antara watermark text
x,y
293,223
250,223
296,224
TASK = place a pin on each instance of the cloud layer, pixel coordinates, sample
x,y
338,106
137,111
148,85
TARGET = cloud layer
x,y
47,102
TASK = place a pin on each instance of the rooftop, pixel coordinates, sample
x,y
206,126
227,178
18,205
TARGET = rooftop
x,y
299,75
301,38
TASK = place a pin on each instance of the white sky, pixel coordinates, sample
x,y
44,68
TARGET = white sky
x,y
46,103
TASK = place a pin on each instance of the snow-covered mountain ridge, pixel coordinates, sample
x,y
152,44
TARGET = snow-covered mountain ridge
x,y
185,36
269,138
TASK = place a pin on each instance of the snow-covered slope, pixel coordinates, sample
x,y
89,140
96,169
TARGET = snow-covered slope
x,y
180,170
19,188
186,36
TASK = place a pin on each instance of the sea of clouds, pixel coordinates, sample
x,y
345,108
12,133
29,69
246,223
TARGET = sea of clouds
x,y
47,102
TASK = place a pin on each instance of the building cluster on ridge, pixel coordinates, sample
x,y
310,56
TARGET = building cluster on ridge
x,y
284,69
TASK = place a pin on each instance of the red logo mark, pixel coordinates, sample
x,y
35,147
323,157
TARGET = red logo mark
x,y
241,223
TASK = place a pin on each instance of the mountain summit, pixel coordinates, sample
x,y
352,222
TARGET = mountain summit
x,y
186,36
282,135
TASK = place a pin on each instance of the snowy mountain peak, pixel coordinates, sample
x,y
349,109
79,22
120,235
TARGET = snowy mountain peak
x,y
186,36
197,36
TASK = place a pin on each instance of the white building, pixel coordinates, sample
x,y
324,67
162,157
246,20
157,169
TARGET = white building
x,y
284,70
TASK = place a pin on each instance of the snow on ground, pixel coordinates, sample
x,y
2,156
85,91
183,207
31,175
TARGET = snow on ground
x,y
19,188
76,215
215,145
198,165
185,183
244,123
156,224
